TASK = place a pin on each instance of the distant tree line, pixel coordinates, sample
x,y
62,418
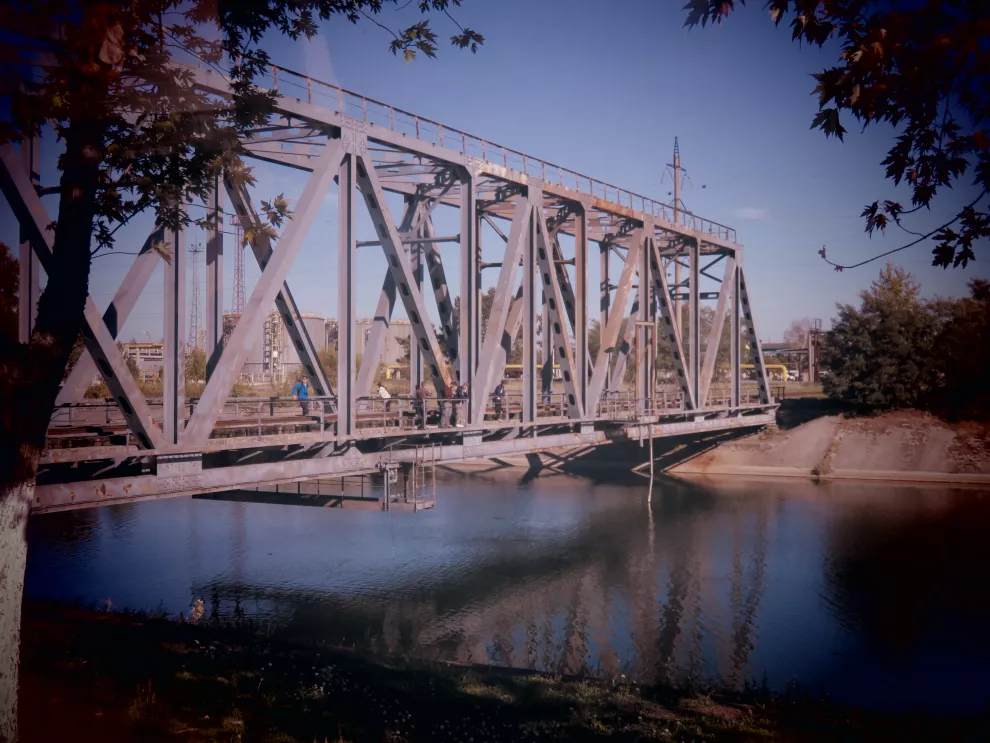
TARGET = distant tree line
x,y
899,350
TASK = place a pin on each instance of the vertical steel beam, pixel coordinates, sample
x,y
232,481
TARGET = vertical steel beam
x,y
479,319
557,338
695,319
346,298
605,302
734,355
16,186
566,289
545,342
115,316
678,304
415,350
669,330
174,351
643,335
530,308
214,275
581,304
610,331
715,333
492,359
272,279
753,340
28,263
470,315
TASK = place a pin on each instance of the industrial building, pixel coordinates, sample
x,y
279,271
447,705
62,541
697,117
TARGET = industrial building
x,y
273,358
393,352
149,357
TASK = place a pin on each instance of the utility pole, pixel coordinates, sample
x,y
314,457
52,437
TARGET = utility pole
x,y
194,340
678,305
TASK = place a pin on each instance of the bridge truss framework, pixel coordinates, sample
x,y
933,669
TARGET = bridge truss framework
x,y
369,149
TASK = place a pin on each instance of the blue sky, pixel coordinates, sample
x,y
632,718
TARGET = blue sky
x,y
603,88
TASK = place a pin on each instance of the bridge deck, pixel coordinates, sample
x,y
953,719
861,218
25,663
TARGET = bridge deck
x,y
98,475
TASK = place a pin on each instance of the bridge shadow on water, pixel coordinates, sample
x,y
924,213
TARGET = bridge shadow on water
x,y
624,462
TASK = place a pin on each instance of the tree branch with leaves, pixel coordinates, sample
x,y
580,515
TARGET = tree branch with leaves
x,y
111,81
921,67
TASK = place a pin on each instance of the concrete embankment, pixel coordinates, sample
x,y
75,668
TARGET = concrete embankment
x,y
905,446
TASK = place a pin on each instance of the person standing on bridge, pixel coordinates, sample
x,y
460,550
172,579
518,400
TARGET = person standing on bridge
x,y
447,406
421,396
498,397
386,402
547,379
462,395
300,392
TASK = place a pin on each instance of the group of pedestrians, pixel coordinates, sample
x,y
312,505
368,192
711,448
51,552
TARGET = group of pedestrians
x,y
453,405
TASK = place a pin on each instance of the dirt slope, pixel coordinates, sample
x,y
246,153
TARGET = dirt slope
x,y
904,442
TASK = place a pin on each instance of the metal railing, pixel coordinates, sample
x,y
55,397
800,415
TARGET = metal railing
x,y
358,107
90,421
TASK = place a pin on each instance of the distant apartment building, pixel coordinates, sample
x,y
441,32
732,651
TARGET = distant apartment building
x,y
149,357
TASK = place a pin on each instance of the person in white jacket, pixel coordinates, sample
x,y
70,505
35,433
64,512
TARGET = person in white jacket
x,y
383,393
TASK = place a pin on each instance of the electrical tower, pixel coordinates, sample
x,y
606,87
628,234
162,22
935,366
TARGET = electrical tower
x,y
194,335
237,303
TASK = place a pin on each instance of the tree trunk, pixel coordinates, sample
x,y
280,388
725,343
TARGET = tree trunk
x,y
30,377
15,501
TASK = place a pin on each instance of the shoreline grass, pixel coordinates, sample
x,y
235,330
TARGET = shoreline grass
x,y
89,675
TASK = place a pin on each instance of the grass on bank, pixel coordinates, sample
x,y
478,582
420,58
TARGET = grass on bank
x,y
97,676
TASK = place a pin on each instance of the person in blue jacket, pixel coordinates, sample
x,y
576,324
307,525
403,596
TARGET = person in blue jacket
x,y
300,392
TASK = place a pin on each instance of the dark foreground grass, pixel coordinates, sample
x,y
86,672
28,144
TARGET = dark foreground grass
x,y
96,676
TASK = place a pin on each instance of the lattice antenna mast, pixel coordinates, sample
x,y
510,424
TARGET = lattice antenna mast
x,y
678,175
678,278
194,335
237,303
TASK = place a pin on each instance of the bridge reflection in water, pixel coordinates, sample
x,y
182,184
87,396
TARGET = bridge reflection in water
x,y
556,573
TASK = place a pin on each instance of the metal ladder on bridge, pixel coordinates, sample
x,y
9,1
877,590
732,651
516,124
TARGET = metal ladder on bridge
x,y
424,463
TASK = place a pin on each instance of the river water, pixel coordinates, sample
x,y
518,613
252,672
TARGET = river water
x,y
874,594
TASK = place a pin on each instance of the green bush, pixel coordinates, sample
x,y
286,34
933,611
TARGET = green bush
x,y
898,350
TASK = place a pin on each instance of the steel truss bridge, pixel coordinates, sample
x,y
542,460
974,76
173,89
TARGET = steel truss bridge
x,y
134,447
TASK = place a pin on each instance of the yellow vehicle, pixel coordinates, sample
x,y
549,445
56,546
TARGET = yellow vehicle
x,y
776,372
